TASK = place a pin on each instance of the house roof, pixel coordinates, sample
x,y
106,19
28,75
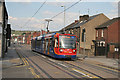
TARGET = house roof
x,y
69,26
106,24
77,25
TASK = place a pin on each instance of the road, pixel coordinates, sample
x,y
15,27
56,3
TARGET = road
x,y
43,66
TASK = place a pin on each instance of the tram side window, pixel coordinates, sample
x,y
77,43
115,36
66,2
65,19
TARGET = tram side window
x,y
38,43
33,43
46,44
43,44
51,42
56,43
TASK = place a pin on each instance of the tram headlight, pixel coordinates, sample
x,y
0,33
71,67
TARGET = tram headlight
x,y
61,50
74,50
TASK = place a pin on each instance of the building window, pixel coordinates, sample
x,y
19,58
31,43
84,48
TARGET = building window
x,y
97,34
102,33
83,35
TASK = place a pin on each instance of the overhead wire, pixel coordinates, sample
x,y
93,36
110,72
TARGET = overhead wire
x,y
66,9
53,16
35,13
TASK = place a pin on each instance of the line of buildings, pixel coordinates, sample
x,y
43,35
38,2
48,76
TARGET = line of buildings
x,y
25,37
97,35
4,28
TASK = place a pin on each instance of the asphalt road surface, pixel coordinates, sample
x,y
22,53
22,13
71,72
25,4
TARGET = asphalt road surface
x,y
47,67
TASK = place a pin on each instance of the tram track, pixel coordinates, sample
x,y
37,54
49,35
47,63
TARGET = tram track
x,y
107,70
73,69
30,60
64,64
80,68
60,67
103,66
54,65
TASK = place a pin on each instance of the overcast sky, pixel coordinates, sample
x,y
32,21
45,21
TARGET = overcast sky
x,y
20,13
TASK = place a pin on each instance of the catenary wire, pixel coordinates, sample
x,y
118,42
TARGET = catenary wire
x,y
35,13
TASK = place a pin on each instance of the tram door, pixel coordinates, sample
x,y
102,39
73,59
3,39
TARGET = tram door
x,y
48,46
56,45
44,46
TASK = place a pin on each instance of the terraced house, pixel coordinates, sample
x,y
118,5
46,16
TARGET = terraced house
x,y
84,29
108,38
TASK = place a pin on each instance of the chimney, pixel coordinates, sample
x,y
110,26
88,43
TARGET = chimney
x,y
83,18
76,21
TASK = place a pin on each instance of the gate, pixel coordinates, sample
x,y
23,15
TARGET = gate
x,y
100,51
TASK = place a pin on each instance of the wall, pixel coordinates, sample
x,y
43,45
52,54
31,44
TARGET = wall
x,y
0,39
0,29
91,32
104,38
0,12
113,33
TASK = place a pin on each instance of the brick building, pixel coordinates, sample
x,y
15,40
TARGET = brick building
x,y
108,38
84,29
3,26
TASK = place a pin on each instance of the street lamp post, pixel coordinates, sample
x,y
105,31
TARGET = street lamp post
x,y
48,20
64,16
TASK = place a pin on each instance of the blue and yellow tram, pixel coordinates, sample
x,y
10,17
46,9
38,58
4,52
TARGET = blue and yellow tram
x,y
55,45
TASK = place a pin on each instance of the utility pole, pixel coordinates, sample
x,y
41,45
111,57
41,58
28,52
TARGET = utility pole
x,y
48,20
88,11
64,16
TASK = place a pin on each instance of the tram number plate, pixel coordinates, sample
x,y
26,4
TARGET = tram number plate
x,y
68,56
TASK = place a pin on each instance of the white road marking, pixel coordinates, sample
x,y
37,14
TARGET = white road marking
x,y
51,60
81,73
43,56
63,65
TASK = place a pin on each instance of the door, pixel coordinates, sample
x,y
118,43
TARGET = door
x,y
100,48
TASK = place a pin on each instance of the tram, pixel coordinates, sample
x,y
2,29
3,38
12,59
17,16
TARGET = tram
x,y
56,45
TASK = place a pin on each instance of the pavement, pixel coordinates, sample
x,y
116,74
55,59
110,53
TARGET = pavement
x,y
101,60
13,66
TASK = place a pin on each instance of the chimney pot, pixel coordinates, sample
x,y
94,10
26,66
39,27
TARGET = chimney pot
x,y
83,18
76,21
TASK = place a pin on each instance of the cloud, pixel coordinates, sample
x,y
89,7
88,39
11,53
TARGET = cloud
x,y
58,21
62,0
112,15
113,12
19,23
19,1
38,24
12,18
